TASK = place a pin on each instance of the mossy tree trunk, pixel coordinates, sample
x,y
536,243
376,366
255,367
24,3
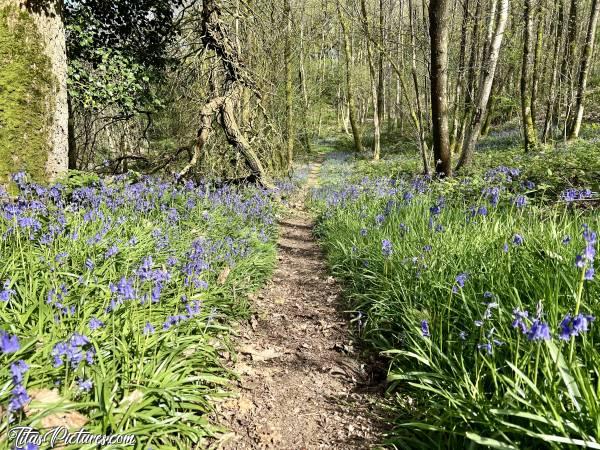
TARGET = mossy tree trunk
x,y
33,89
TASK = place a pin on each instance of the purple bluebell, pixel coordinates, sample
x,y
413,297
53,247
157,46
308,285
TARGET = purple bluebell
x,y
19,398
589,274
425,328
9,343
487,347
520,201
18,370
518,239
148,328
6,292
95,324
85,385
460,279
539,331
519,322
386,248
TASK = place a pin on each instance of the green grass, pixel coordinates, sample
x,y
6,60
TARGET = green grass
x,y
476,380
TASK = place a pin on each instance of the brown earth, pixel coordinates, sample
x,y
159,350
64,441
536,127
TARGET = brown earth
x,y
302,382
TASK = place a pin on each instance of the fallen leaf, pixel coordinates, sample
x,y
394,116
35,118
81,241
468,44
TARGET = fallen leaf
x,y
223,275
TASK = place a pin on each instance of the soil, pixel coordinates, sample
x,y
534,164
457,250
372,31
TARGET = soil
x,y
303,384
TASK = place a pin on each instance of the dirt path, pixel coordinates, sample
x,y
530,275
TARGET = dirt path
x,y
302,384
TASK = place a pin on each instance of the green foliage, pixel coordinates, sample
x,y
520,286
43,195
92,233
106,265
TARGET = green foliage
x,y
127,253
26,84
476,380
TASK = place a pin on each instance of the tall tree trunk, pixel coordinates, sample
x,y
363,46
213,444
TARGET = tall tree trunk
x,y
552,90
418,118
529,131
380,69
349,84
460,80
34,114
289,88
373,77
539,43
438,33
566,74
588,51
489,71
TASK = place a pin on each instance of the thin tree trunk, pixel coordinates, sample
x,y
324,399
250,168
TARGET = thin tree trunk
x,y
349,84
529,131
588,51
289,88
486,86
460,81
373,77
552,90
438,32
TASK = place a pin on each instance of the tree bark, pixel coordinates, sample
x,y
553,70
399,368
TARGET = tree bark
x,y
40,59
588,51
289,88
529,131
438,33
373,78
486,86
349,84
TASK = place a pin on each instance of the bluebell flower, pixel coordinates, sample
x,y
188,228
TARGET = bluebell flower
x,y
520,201
581,323
566,240
379,219
518,239
17,370
19,398
425,328
460,279
589,274
519,322
95,324
565,328
112,251
487,347
85,385
462,336
539,331
8,343
148,328
386,248
7,292
363,232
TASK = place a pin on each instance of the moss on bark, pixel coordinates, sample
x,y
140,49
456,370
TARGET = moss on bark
x,y
26,89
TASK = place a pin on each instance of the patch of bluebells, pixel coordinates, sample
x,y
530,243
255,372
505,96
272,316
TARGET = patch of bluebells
x,y
570,327
73,351
571,195
585,260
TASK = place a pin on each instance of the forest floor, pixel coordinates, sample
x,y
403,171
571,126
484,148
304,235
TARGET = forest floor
x,y
302,382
